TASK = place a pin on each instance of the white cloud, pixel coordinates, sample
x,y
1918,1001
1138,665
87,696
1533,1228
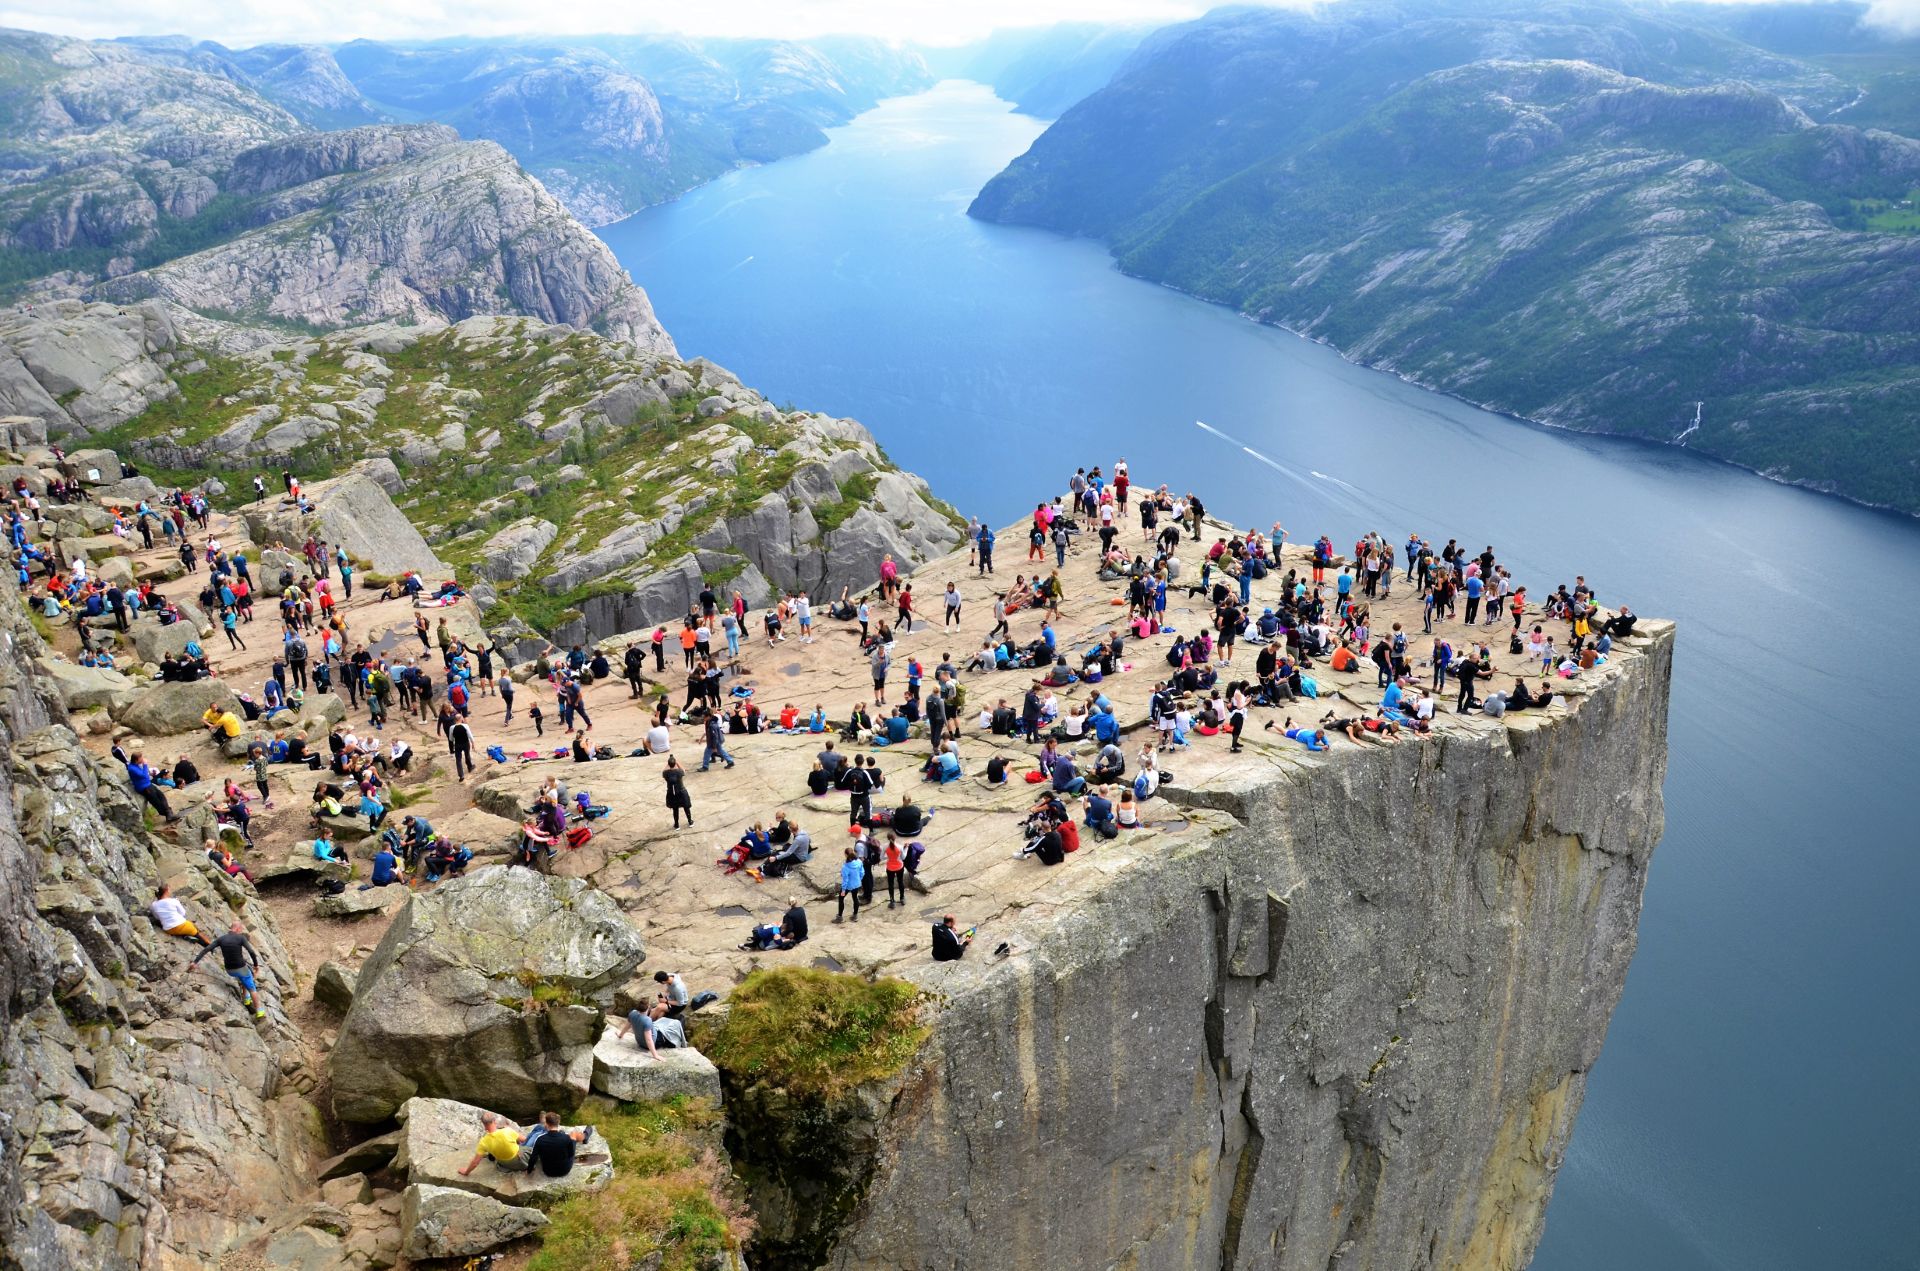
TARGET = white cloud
x,y
243,22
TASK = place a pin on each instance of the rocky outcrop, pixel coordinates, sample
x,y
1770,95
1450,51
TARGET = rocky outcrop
x,y
352,511
445,1222
112,1152
80,368
164,710
623,1071
436,1141
281,165
449,232
1355,1027
488,989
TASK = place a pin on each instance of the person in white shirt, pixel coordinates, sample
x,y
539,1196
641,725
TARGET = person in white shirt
x,y
658,742
171,916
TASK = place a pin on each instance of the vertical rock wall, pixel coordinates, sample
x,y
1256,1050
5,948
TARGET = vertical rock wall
x,y
145,1119
1350,1029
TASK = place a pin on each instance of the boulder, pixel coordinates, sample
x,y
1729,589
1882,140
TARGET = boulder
x,y
623,1071
510,554
114,571
161,710
333,983
300,862
93,467
352,511
445,1222
10,472
363,1157
151,641
356,902
489,989
86,687
437,1138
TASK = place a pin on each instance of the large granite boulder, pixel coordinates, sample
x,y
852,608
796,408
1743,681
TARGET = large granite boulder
x,y
445,1222
352,511
623,1071
151,641
86,687
487,989
161,710
437,1138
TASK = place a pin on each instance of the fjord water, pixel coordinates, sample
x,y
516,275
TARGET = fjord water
x,y
1756,1105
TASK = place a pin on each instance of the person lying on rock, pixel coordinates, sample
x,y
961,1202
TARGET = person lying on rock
x,y
651,1029
498,1143
550,1147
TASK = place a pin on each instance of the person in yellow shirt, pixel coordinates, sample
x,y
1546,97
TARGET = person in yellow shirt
x,y
497,1141
222,723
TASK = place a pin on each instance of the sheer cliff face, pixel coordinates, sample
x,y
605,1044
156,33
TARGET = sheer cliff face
x,y
1352,1028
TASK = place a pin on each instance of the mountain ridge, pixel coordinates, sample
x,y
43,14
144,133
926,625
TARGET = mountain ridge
x,y
1550,238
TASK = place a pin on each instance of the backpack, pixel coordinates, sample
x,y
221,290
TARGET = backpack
x,y
578,836
332,886
603,752
497,753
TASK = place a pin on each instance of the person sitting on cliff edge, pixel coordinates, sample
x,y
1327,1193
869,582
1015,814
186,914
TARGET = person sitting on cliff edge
x,y
949,944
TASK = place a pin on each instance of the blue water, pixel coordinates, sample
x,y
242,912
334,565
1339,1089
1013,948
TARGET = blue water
x,y
1755,1107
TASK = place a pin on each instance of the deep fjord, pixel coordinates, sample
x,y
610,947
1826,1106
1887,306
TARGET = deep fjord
x,y
1755,1106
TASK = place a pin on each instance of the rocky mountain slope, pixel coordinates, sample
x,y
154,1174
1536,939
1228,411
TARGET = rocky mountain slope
x,y
615,123
140,172
587,486
138,1127
1596,218
303,79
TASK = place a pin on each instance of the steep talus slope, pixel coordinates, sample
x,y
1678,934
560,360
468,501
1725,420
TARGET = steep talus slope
x,y
1652,237
1353,1031
142,1123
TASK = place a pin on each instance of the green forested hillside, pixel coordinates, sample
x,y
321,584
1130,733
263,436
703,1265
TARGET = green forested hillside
x,y
1618,223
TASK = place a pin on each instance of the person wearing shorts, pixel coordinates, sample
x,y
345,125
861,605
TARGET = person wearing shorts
x,y
238,956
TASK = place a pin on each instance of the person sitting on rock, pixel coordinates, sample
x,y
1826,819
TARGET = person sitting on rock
x,y
498,1143
326,850
447,860
550,1147
950,945
171,916
651,1029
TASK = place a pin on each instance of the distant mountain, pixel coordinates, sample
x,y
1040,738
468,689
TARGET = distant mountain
x,y
1597,217
1042,70
157,170
616,123
302,79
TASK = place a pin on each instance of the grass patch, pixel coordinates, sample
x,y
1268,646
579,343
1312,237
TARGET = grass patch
x,y
853,496
670,1196
818,1032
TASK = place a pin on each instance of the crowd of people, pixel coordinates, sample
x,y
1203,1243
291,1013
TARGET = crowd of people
x,y
1296,635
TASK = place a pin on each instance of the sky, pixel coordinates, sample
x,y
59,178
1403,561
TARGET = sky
x,y
243,22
